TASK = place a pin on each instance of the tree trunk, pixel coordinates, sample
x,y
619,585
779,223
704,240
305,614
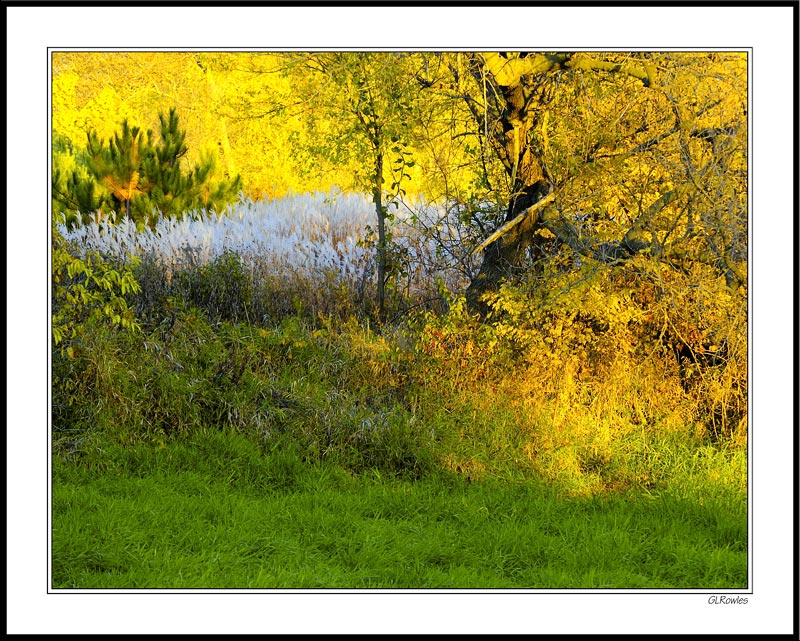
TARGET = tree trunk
x,y
508,251
520,93
529,185
377,197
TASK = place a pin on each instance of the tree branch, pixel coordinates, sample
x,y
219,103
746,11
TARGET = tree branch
x,y
508,71
516,221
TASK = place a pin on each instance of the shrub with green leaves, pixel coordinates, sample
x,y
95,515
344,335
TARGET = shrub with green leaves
x,y
87,290
88,301
223,288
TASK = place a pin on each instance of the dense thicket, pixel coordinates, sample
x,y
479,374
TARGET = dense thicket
x,y
595,203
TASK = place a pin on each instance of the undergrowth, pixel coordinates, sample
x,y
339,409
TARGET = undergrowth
x,y
560,442
439,393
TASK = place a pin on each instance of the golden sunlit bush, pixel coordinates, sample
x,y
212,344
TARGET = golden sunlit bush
x,y
575,378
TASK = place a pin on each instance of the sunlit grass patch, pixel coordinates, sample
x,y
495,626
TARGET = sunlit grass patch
x,y
245,520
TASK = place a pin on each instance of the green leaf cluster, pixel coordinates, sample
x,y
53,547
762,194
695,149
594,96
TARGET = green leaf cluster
x,y
87,291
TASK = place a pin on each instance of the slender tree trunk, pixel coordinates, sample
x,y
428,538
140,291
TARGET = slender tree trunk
x,y
377,197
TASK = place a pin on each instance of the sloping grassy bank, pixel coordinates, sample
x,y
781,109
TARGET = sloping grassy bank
x,y
328,455
217,511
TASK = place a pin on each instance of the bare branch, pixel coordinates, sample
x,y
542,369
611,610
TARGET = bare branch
x,y
516,221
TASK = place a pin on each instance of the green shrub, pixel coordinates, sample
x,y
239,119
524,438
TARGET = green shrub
x,y
88,306
223,289
87,291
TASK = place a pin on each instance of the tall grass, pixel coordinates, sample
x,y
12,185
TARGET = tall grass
x,y
397,402
551,445
308,248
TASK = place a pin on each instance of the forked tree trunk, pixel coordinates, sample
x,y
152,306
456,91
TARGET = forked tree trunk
x,y
516,81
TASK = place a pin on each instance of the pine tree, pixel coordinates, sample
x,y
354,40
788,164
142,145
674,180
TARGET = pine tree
x,y
135,176
118,165
76,193
170,190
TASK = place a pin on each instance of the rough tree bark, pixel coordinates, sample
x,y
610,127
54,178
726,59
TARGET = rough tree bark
x,y
519,92
510,139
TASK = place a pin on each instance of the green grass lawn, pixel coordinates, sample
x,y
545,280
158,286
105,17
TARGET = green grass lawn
x,y
216,511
